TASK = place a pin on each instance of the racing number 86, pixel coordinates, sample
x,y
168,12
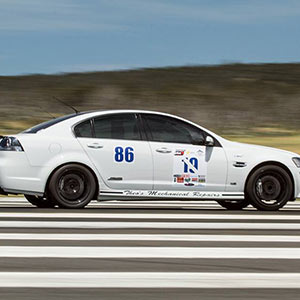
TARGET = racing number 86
x,y
121,154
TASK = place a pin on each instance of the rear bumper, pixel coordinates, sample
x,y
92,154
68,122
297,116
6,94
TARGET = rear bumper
x,y
16,174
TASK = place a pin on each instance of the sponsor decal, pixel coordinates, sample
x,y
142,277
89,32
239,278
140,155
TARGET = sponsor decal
x,y
187,194
179,152
200,152
189,166
180,180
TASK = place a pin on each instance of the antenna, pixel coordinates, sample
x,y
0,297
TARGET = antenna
x,y
66,104
46,112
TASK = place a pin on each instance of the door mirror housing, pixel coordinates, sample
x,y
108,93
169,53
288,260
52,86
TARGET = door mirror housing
x,y
209,141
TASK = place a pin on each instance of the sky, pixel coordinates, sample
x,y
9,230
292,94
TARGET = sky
x,y
55,36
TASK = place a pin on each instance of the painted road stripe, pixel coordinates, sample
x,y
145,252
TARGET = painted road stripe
x,y
148,280
152,216
149,237
148,225
150,252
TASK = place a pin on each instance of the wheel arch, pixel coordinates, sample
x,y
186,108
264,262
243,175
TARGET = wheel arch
x,y
271,162
80,164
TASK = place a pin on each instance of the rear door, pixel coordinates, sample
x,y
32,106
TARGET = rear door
x,y
181,160
115,146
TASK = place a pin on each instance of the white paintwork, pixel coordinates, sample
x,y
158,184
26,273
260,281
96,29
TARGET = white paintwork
x,y
137,175
28,172
149,280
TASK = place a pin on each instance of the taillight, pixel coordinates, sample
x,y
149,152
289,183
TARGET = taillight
x,y
10,143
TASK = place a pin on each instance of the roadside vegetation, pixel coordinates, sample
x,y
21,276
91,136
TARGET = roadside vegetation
x,y
254,103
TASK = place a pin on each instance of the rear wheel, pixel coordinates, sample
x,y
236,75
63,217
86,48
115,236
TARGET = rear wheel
x,y
269,188
72,186
39,201
234,204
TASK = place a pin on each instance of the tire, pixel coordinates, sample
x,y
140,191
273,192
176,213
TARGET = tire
x,y
269,188
40,202
72,186
234,204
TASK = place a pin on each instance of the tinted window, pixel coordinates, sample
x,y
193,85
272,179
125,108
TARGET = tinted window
x,y
83,129
119,126
170,130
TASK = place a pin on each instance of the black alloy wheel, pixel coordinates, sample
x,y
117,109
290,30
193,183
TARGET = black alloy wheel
x,y
269,188
72,186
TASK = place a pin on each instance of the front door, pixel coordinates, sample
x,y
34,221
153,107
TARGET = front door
x,y
181,160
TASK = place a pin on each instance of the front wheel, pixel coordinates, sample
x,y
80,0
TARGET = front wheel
x,y
234,204
269,188
72,186
39,201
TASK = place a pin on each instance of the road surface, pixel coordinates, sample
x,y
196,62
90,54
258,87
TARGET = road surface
x,y
148,250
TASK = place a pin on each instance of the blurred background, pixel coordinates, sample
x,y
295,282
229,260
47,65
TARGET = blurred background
x,y
231,66
248,103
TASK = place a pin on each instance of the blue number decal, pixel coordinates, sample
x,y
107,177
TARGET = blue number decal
x,y
193,161
119,157
186,167
129,154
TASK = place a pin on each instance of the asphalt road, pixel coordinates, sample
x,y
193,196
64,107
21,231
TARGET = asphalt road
x,y
148,250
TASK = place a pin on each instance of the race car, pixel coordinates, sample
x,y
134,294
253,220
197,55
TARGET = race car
x,y
134,154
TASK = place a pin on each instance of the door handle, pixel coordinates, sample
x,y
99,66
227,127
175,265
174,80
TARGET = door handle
x,y
95,146
163,150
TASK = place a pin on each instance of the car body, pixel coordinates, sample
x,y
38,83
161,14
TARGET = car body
x,y
141,154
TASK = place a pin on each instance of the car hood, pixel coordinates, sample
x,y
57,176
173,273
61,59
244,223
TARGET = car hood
x,y
262,149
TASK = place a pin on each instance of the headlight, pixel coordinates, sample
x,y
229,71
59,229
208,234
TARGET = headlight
x,y
296,161
9,143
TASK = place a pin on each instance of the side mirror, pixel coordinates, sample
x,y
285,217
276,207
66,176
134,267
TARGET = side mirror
x,y
209,141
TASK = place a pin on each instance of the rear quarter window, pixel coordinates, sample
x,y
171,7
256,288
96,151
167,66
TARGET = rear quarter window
x,y
84,129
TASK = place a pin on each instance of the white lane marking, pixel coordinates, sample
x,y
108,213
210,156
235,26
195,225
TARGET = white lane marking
x,y
148,280
150,252
154,215
148,225
149,237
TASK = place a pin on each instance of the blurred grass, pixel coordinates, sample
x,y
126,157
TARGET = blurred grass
x,y
253,103
290,143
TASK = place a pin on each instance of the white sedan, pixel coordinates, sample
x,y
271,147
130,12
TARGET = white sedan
x,y
126,154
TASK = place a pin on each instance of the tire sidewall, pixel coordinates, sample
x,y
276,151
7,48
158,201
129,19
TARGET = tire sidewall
x,y
253,197
54,181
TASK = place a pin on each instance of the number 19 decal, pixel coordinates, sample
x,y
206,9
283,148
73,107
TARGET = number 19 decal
x,y
122,154
190,165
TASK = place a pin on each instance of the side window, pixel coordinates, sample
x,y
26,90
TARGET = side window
x,y
170,130
118,126
83,129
